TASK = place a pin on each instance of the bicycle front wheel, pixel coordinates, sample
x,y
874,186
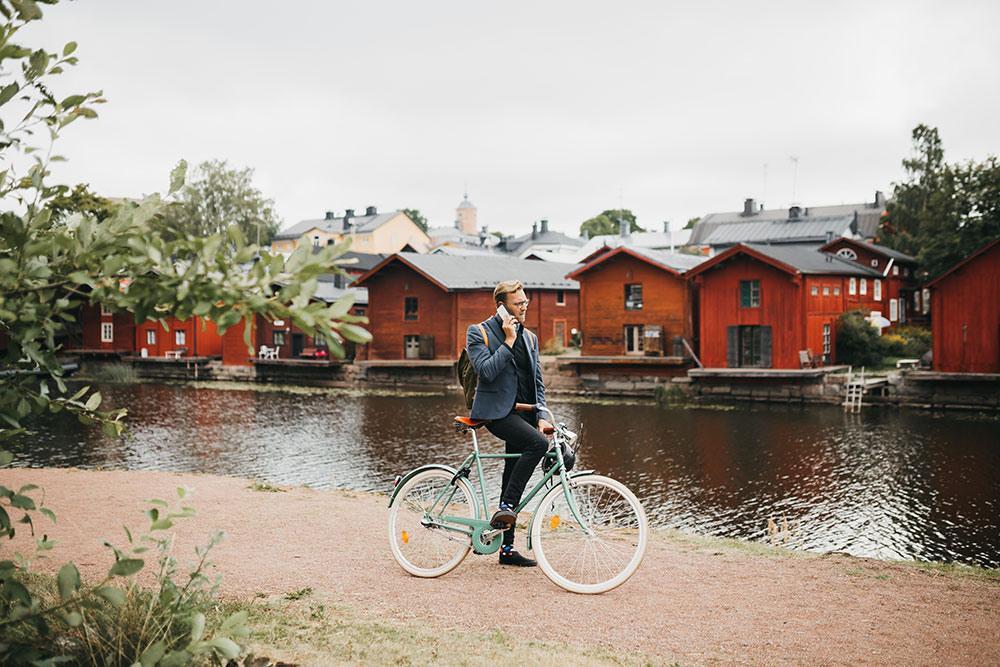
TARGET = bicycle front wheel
x,y
422,542
602,553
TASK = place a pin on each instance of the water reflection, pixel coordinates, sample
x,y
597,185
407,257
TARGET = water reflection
x,y
885,484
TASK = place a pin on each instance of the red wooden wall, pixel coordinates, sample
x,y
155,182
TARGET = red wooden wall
x,y
387,291
123,329
201,337
781,308
666,302
965,316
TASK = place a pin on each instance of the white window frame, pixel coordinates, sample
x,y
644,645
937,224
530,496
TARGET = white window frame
x,y
864,287
836,291
893,310
826,338
107,332
895,270
562,301
847,253
815,290
180,337
852,286
925,301
150,336
106,310
877,289
826,290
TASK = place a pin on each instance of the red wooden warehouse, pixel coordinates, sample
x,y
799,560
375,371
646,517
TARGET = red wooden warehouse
x,y
760,306
635,302
898,292
419,306
965,314
194,337
102,333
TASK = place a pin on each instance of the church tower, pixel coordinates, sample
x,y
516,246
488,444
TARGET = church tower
x,y
465,217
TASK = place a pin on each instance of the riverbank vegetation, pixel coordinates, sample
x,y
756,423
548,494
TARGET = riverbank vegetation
x,y
859,344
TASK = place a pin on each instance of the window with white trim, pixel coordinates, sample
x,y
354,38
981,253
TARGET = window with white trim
x,y
180,337
874,263
847,253
925,306
852,286
107,332
150,336
633,339
893,310
826,339
864,286
836,291
105,310
826,290
815,290
895,270
877,289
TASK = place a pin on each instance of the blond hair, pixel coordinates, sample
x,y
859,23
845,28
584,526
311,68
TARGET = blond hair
x,y
506,287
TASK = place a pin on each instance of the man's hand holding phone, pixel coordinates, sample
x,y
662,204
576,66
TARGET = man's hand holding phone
x,y
509,325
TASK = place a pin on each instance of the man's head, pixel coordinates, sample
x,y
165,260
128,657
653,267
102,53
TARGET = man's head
x,y
511,294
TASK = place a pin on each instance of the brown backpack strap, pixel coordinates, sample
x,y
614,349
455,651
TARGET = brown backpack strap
x,y
486,339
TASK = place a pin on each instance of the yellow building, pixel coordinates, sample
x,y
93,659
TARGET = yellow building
x,y
372,232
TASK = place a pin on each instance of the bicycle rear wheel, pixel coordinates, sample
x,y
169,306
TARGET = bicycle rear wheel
x,y
605,557
418,541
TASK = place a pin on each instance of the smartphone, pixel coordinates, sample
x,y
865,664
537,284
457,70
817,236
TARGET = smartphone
x,y
502,312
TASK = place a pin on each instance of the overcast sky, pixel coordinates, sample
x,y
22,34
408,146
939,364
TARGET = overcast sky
x,y
551,110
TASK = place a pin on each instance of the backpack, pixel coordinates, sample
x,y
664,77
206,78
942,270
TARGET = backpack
x,y
467,376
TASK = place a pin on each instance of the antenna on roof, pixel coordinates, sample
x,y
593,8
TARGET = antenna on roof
x,y
795,175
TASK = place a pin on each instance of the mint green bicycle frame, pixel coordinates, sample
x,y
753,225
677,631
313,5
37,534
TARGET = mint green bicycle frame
x,y
478,530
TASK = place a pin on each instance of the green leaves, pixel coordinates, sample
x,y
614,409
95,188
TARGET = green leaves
x,y
177,176
68,581
126,567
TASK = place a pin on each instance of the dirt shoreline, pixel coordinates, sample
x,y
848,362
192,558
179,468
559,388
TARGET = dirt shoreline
x,y
695,600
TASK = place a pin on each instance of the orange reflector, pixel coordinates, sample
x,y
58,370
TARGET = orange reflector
x,y
406,537
554,521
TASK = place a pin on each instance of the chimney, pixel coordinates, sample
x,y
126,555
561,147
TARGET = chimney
x,y
666,226
371,210
794,212
534,230
749,207
585,235
829,235
879,199
854,224
623,229
330,215
349,213
545,226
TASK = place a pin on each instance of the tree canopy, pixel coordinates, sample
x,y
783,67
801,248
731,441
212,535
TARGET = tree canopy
x,y
216,197
59,250
942,212
609,222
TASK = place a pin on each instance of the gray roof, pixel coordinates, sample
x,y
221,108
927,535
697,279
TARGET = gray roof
x,y
894,254
521,243
809,260
675,260
869,217
365,261
360,223
811,229
329,292
458,272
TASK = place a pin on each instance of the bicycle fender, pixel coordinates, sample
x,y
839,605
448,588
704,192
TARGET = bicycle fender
x,y
407,476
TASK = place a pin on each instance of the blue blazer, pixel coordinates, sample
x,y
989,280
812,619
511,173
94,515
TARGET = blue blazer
x,y
496,388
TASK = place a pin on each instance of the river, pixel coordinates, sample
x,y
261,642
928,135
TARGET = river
x,y
886,483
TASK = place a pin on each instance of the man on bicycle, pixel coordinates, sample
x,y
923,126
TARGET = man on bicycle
x,y
509,373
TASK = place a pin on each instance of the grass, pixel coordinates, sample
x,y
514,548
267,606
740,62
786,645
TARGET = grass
x,y
259,485
320,632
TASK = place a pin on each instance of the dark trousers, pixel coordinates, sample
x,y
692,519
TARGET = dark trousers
x,y
519,432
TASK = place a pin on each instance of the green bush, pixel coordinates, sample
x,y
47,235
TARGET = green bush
x,y
893,345
113,621
918,340
858,343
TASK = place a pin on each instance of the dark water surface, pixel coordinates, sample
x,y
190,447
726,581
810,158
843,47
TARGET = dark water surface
x,y
888,484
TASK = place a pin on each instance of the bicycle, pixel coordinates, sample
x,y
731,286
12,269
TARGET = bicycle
x,y
588,532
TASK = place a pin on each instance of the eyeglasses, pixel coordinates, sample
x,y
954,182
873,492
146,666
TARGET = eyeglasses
x,y
521,304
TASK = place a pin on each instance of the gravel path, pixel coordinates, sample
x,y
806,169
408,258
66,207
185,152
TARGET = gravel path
x,y
691,601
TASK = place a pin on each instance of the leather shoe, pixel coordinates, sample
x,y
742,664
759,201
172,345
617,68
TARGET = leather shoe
x,y
503,520
516,559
